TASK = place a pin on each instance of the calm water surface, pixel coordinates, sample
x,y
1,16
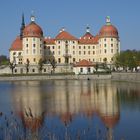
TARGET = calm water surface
x,y
69,110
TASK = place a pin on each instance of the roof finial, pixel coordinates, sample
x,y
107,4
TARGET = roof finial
x,y
62,29
108,22
32,16
88,29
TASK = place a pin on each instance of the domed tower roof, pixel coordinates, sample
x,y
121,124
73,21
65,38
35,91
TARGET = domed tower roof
x,y
33,29
108,30
110,121
16,45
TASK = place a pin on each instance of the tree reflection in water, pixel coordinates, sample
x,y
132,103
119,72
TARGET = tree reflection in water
x,y
62,110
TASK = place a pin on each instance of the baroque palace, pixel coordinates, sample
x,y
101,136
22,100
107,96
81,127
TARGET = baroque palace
x,y
64,49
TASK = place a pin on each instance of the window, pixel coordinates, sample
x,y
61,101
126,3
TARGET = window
x,y
40,45
58,42
53,53
81,69
27,51
73,52
111,45
33,70
79,52
34,60
58,52
26,39
15,70
33,39
73,59
88,47
58,47
89,70
34,51
40,51
88,52
19,53
73,42
111,39
105,51
105,39
34,45
79,47
111,50
93,52
104,45
44,70
59,60
52,47
73,47
84,52
84,47
93,47
93,59
27,45
14,53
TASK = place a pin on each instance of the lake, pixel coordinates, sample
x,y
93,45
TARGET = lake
x,y
69,110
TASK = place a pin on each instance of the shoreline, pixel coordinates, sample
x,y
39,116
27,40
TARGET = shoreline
x,y
115,76
54,77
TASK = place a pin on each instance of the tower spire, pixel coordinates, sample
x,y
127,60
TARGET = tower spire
x,y
22,26
32,17
88,29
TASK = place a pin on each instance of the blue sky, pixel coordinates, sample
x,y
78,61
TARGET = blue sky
x,y
74,15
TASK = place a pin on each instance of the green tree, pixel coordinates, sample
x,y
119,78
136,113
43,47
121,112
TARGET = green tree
x,y
27,66
40,64
128,59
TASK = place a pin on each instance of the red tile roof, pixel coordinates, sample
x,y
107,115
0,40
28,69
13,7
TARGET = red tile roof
x,y
109,31
32,30
63,35
88,38
83,63
49,41
16,45
111,121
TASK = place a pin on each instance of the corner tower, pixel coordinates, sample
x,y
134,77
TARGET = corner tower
x,y
109,42
33,42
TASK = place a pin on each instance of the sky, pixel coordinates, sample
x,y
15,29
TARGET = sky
x,y
74,15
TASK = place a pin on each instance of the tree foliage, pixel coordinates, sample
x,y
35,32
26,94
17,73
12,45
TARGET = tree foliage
x,y
40,64
128,59
4,60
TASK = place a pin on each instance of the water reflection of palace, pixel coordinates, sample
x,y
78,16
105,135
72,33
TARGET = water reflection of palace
x,y
66,99
28,103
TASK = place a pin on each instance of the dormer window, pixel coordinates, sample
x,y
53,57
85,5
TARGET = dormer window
x,y
14,53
